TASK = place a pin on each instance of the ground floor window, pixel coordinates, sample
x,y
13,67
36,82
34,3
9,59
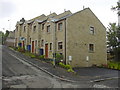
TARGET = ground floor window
x,y
91,47
42,43
60,45
50,46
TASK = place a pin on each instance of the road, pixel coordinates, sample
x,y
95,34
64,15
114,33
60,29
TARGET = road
x,y
17,73
20,74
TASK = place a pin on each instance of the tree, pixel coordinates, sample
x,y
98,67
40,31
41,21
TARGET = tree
x,y
116,7
113,36
1,37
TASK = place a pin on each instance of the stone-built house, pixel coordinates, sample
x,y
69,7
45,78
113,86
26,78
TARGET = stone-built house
x,y
80,37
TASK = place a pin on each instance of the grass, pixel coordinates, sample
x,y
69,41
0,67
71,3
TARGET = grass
x,y
114,65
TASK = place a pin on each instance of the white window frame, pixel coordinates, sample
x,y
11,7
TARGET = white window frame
x,y
93,48
42,43
92,31
48,31
58,46
51,46
60,29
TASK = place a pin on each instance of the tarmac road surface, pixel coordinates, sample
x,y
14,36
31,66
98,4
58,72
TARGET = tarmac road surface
x,y
17,73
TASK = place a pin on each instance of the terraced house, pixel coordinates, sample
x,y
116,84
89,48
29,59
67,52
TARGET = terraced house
x,y
80,37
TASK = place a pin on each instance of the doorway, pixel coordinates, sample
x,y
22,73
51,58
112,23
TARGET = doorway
x,y
32,46
46,50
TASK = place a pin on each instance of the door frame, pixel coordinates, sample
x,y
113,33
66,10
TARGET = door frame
x,y
46,50
33,46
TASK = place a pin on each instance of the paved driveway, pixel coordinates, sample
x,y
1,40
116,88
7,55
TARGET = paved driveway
x,y
101,77
94,71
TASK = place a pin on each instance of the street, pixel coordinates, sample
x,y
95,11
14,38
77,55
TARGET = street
x,y
20,74
17,73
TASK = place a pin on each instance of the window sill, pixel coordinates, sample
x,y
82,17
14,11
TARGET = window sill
x,y
91,51
60,50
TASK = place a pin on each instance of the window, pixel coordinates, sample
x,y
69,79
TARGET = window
x,y
43,26
34,28
48,28
60,45
92,30
59,26
50,46
35,42
42,43
91,47
30,40
24,28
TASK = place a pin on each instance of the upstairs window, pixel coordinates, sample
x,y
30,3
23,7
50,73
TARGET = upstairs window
x,y
91,47
60,26
24,28
48,28
92,30
60,46
34,28
43,26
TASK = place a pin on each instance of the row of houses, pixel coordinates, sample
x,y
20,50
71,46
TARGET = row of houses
x,y
80,37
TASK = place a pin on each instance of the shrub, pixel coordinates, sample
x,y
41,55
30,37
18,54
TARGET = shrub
x,y
114,65
59,57
41,56
70,70
61,65
105,65
68,66
21,49
65,66
32,56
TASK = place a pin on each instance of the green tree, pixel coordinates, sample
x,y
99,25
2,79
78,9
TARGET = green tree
x,y
116,7
113,36
1,37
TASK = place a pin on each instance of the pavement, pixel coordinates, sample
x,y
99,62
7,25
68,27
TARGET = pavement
x,y
86,74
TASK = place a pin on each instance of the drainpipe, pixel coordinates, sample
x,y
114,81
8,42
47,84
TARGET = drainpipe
x,y
54,38
65,41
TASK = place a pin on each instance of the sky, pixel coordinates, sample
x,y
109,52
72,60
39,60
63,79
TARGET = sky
x,y
12,11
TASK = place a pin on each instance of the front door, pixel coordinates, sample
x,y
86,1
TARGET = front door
x,y
32,46
46,50
23,44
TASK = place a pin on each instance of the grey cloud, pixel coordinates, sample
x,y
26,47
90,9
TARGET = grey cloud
x,y
7,8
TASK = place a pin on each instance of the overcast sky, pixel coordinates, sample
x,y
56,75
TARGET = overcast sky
x,y
12,11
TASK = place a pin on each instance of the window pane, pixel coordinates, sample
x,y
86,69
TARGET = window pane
x,y
91,47
42,43
34,28
48,28
60,45
43,26
92,30
60,26
50,46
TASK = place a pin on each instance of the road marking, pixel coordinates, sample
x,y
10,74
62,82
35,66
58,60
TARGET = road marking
x,y
100,86
18,77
